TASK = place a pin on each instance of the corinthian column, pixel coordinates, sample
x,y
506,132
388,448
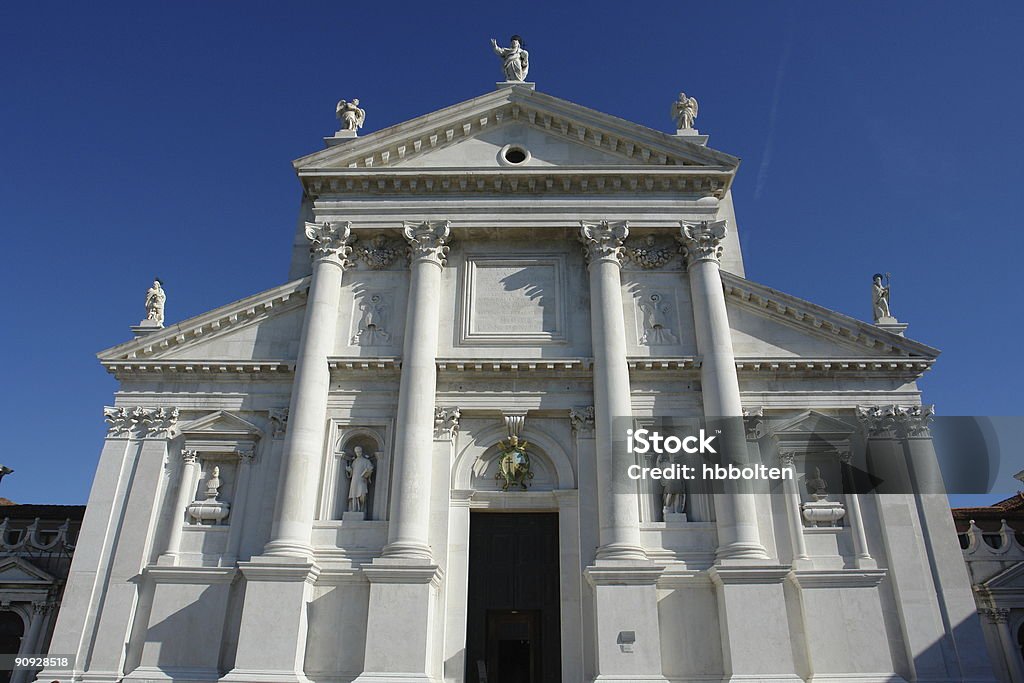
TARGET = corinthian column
x,y
414,432
307,414
617,505
736,514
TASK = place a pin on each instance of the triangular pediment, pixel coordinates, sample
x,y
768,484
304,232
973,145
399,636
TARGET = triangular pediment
x,y
555,131
17,570
1011,578
262,327
811,422
769,324
222,424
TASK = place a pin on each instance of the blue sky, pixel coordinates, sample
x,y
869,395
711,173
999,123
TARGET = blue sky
x,y
143,138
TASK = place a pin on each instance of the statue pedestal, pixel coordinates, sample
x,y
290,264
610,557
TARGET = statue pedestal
x,y
692,135
890,324
676,517
509,84
340,137
146,327
353,516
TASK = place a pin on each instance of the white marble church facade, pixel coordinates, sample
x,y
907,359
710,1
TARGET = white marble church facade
x,y
440,301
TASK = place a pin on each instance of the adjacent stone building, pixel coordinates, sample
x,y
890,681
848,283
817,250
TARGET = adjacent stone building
x,y
327,480
992,538
37,543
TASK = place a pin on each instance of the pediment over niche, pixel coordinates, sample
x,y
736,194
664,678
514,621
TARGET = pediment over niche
x,y
220,425
812,422
556,133
17,570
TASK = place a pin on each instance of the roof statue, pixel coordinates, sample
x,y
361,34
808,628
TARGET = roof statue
x,y
350,115
516,59
155,300
684,111
880,299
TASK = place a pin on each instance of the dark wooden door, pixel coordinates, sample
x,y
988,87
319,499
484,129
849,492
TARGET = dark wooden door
x,y
513,623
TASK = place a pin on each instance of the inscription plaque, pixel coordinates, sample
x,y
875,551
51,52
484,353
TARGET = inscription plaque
x,y
514,300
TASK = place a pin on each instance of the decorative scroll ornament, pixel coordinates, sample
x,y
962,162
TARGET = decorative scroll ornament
x,y
602,240
514,464
902,421
379,253
648,253
427,241
446,422
139,422
753,423
996,615
189,456
702,241
278,422
582,419
330,241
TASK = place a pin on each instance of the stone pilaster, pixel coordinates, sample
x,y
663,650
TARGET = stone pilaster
x,y
999,618
186,484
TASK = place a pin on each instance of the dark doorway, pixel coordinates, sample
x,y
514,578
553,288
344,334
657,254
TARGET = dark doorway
x,y
513,630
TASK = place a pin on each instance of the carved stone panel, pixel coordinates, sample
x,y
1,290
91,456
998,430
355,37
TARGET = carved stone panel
x,y
371,319
514,300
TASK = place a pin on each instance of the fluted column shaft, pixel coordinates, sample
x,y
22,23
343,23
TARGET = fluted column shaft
x,y
735,511
619,532
408,529
307,414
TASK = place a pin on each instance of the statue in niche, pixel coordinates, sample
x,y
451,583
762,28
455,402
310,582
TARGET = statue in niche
x,y
213,484
516,59
880,297
372,324
656,313
155,300
684,112
350,115
360,473
514,464
673,496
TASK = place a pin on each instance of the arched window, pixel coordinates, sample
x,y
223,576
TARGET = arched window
x,y
12,628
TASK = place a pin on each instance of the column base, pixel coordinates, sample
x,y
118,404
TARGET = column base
x,y
408,550
173,673
628,644
237,675
286,548
744,552
621,551
381,677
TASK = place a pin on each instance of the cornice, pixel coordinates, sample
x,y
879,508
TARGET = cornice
x,y
548,180
684,366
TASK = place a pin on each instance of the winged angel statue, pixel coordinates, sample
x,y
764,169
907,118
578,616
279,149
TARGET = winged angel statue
x,y
350,115
684,111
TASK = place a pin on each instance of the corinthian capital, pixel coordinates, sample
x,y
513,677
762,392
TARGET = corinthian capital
x,y
702,241
901,421
602,240
427,241
329,241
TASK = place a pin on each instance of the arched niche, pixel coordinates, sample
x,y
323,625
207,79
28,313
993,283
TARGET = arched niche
x,y
372,443
476,464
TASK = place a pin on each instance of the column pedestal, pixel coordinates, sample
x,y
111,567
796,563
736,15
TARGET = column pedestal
x,y
400,622
752,609
628,633
272,634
